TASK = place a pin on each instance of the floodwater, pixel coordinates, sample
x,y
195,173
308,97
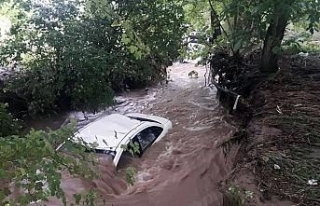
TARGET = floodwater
x,y
186,167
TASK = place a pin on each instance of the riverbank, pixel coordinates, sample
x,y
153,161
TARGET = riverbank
x,y
280,153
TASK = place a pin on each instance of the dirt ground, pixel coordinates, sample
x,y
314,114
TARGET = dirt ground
x,y
280,153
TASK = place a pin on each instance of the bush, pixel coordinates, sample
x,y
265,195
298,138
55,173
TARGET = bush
x,y
32,164
305,48
77,60
130,175
8,125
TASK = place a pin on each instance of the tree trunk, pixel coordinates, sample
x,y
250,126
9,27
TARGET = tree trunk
x,y
272,42
215,22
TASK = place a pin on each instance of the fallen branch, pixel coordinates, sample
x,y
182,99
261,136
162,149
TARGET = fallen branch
x,y
223,89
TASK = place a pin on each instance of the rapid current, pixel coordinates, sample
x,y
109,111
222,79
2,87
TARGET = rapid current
x,y
186,167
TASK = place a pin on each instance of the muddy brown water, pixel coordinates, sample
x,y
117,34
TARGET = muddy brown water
x,y
186,167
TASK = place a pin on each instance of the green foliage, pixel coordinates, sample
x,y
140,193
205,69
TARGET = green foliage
x,y
78,59
8,125
296,48
130,175
32,164
245,23
66,58
86,198
237,196
133,148
158,25
197,14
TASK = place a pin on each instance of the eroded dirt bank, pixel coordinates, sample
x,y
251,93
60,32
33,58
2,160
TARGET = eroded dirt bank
x,y
280,157
186,167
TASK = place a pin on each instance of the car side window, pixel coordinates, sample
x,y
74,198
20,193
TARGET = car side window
x,y
147,136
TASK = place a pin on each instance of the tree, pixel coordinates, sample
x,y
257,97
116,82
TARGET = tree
x,y
65,58
280,13
77,59
34,167
252,22
8,125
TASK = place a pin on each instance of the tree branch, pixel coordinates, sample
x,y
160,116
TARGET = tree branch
x,y
216,16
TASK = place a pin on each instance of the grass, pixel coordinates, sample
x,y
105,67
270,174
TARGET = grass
x,y
295,158
235,196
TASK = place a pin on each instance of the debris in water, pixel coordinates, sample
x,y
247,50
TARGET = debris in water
x,y
236,103
276,167
279,110
313,182
266,159
249,194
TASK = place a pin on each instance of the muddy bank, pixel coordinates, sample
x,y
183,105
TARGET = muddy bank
x,y
186,167
279,158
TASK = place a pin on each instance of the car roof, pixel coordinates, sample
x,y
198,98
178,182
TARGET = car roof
x,y
108,131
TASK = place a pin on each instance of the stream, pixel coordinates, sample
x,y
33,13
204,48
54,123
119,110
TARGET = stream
x,y
186,167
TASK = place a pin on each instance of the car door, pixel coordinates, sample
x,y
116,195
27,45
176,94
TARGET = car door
x,y
142,138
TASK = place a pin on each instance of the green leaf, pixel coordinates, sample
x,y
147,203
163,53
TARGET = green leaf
x,y
133,49
126,40
22,171
77,198
238,45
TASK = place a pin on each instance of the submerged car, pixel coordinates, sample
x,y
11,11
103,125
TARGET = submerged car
x,y
115,133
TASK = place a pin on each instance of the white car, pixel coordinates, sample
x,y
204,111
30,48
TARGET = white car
x,y
111,134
